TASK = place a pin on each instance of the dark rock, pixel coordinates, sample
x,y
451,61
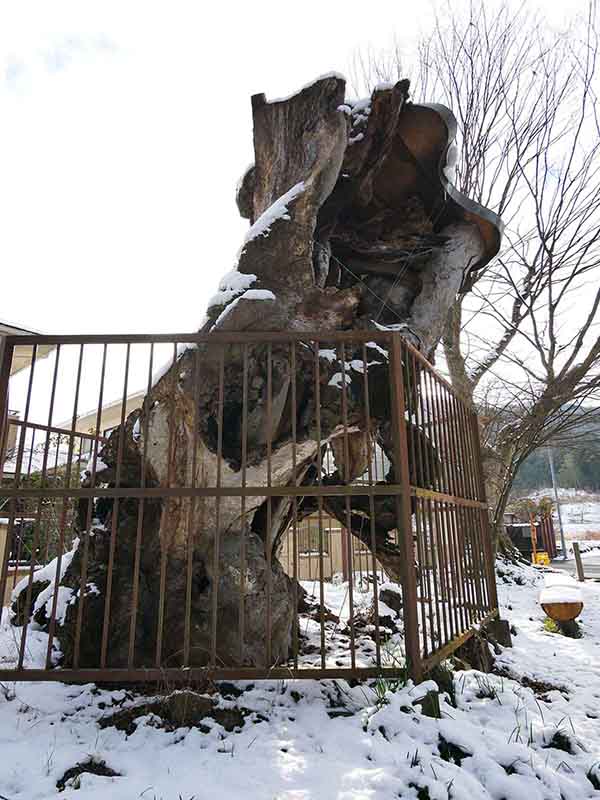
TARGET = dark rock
x,y
451,752
430,705
18,608
499,630
392,598
476,653
91,766
444,678
177,710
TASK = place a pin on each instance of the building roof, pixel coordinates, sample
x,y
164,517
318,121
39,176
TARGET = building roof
x,y
23,354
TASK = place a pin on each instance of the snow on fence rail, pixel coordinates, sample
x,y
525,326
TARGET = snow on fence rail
x,y
278,505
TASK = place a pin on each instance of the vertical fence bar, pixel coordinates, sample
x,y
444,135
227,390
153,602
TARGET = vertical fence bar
x,y
191,537
62,520
416,460
244,465
421,574
464,563
350,537
470,466
403,513
450,449
438,434
441,512
140,522
422,454
268,543
469,563
6,356
89,510
369,443
164,540
216,541
114,518
317,369
43,482
436,570
471,513
460,473
22,438
481,528
294,412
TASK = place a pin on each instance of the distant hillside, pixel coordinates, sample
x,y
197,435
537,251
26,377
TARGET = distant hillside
x,y
577,466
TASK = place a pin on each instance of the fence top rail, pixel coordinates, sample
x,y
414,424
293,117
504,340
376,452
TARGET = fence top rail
x,y
224,337
235,337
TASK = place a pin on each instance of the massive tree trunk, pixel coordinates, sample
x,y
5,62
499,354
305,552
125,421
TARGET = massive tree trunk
x,y
353,226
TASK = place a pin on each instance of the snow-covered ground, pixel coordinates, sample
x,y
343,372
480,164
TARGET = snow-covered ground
x,y
531,733
581,519
580,511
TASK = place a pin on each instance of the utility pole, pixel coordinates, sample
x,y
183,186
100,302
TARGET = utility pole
x,y
554,486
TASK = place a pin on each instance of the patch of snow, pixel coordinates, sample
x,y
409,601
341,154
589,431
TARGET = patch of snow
x,y
45,598
560,594
339,379
278,210
136,433
308,85
329,355
89,467
396,326
231,285
362,106
250,294
560,589
375,346
258,294
358,365
63,600
48,572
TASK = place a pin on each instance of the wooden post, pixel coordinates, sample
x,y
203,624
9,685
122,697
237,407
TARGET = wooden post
x,y
403,514
533,539
578,562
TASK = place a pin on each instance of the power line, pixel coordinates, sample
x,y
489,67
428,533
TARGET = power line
x,y
359,279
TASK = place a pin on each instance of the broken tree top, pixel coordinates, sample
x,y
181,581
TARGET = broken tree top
x,y
353,220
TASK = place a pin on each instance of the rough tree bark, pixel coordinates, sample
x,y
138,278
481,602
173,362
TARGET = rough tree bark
x,y
353,225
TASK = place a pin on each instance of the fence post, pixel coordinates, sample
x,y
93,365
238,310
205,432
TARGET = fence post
x,y
403,513
484,515
578,562
6,355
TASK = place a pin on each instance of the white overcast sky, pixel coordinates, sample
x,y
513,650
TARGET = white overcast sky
x,y
125,127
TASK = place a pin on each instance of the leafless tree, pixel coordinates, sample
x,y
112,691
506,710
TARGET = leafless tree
x,y
521,341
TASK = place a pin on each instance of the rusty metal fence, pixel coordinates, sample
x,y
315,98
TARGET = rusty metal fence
x,y
385,467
